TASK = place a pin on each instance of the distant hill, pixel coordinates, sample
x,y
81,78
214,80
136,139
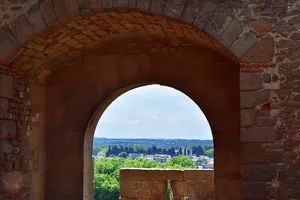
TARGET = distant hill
x,y
160,143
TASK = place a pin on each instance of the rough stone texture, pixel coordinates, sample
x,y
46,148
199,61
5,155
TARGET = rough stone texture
x,y
6,86
36,20
251,81
243,43
9,45
231,33
253,153
144,189
277,106
151,174
253,98
259,173
195,184
12,9
261,52
21,29
248,117
263,134
256,190
8,129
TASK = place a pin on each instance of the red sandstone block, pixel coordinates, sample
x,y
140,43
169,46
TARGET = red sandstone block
x,y
196,175
151,174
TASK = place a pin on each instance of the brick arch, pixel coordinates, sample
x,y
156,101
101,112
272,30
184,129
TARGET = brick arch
x,y
52,33
72,102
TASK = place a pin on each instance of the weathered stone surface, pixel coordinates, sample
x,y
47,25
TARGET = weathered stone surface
x,y
60,9
250,99
274,156
157,6
192,190
48,12
143,190
9,45
72,7
253,153
258,172
150,174
204,14
277,192
247,117
255,190
261,27
243,44
8,129
191,10
109,4
262,51
21,29
143,5
131,3
266,121
36,19
231,33
3,107
5,147
6,86
250,81
174,8
218,22
283,26
267,78
195,175
121,3
84,5
258,134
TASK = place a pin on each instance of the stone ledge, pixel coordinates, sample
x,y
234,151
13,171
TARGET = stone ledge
x,y
146,174
196,175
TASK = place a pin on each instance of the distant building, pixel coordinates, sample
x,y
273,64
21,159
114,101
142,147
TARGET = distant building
x,y
210,164
136,155
161,157
150,157
97,157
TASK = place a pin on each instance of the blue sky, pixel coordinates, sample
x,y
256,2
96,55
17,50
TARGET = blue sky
x,y
153,112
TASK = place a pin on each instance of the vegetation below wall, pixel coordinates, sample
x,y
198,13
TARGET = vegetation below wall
x,y
107,172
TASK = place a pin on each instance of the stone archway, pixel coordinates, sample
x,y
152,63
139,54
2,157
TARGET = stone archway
x,y
78,97
262,34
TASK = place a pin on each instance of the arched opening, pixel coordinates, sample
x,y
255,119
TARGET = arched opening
x,y
210,80
128,124
200,68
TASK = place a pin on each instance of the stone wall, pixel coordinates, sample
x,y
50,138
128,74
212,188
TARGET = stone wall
x,y
152,184
16,155
263,35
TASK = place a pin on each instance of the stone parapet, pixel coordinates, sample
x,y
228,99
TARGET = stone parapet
x,y
152,183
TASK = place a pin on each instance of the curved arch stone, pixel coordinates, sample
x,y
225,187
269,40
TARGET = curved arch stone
x,y
220,20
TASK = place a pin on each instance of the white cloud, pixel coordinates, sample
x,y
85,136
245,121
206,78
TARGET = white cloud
x,y
153,110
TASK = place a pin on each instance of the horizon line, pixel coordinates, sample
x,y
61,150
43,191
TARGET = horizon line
x,y
153,138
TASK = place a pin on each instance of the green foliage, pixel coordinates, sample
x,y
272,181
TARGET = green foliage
x,y
122,155
210,152
103,151
96,150
107,172
180,162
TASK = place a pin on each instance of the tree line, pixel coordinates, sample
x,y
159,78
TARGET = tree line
x,y
117,150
